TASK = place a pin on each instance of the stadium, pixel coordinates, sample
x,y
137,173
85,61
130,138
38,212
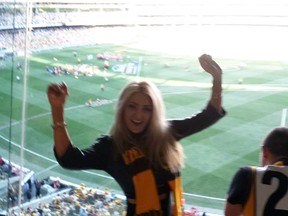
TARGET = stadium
x,y
43,42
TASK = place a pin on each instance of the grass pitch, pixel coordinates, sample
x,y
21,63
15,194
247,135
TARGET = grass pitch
x,y
254,96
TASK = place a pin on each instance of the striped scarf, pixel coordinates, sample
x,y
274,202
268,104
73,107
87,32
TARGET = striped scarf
x,y
147,198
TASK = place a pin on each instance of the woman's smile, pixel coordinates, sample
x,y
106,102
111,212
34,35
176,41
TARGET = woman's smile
x,y
138,112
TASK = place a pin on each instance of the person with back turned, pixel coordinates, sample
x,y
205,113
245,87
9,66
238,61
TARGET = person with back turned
x,y
262,191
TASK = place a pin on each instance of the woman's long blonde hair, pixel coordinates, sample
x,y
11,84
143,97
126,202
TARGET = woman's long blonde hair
x,y
157,142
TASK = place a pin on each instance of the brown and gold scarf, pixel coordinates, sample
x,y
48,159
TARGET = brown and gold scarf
x,y
147,198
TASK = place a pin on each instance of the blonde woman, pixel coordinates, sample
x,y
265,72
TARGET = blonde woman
x,y
141,151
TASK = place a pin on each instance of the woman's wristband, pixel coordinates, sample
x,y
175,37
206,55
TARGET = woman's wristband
x,y
59,125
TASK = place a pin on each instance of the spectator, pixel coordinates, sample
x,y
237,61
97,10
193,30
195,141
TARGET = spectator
x,y
2,162
142,151
38,185
13,195
261,189
56,183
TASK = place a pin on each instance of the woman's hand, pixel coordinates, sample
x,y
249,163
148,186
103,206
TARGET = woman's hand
x,y
209,65
57,94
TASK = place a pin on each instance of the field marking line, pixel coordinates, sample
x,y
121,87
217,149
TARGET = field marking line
x,y
27,150
89,172
283,117
50,160
47,169
85,171
41,115
205,197
37,116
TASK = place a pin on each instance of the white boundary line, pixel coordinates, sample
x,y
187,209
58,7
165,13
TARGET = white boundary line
x,y
91,173
283,123
204,197
85,171
50,160
283,117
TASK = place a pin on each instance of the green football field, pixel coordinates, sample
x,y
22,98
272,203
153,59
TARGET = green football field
x,y
254,96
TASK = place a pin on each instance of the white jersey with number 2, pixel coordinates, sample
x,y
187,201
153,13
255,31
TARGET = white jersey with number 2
x,y
271,191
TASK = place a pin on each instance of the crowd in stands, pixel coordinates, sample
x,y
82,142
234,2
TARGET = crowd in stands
x,y
7,169
43,18
60,37
49,31
78,201
47,38
55,197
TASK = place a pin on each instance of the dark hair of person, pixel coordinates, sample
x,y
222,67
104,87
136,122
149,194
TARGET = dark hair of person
x,y
277,141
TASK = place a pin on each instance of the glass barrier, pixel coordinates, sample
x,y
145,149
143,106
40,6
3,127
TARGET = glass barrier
x,y
96,47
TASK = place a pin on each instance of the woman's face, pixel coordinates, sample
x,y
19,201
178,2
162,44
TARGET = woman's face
x,y
138,112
